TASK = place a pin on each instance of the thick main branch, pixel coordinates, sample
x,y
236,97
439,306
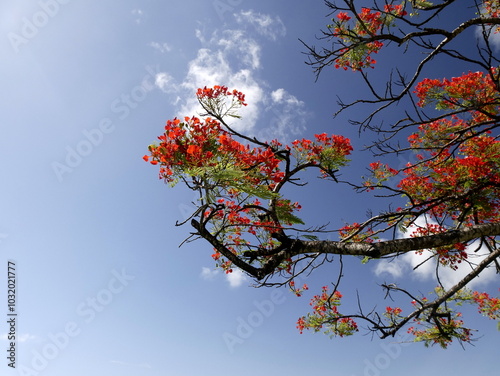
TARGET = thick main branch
x,y
398,246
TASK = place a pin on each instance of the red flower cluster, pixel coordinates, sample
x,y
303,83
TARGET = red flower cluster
x,y
187,144
434,334
491,8
325,316
447,256
357,53
393,311
343,16
473,91
380,173
328,152
472,176
220,91
487,305
234,177
297,290
354,233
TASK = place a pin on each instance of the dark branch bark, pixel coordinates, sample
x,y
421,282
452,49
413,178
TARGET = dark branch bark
x,y
204,233
434,305
398,246
372,250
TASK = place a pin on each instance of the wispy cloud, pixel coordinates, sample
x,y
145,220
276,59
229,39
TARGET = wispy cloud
x,y
138,15
236,278
162,47
208,274
288,116
235,43
165,82
487,33
266,25
394,268
233,58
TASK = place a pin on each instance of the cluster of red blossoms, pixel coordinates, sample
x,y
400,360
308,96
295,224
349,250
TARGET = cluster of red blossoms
x,y
469,172
325,316
219,91
448,256
472,91
491,8
205,154
183,145
487,305
356,53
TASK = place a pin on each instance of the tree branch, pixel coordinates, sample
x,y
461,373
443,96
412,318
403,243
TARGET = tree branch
x,y
398,246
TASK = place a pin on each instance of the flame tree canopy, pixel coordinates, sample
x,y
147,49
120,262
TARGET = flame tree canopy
x,y
451,190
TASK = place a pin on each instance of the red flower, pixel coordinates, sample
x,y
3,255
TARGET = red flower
x,y
343,16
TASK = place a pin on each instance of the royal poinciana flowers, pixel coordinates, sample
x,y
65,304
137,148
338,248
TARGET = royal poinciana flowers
x,y
239,183
350,32
325,316
242,205
449,190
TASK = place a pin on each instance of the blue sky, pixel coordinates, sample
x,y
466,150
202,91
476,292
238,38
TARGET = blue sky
x,y
102,286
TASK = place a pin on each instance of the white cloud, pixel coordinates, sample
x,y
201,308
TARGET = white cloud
x,y
138,14
230,60
25,337
236,278
422,269
451,277
278,95
234,42
233,59
483,34
282,96
165,82
394,268
490,33
264,24
208,274
414,261
162,47
288,116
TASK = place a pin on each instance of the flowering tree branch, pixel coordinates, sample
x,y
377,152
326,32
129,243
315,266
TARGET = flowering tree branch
x,y
449,196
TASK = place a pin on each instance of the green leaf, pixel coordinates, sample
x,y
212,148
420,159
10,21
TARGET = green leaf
x,y
262,192
284,214
290,218
227,174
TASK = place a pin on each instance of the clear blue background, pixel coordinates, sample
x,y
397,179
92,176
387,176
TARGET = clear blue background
x,y
68,67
